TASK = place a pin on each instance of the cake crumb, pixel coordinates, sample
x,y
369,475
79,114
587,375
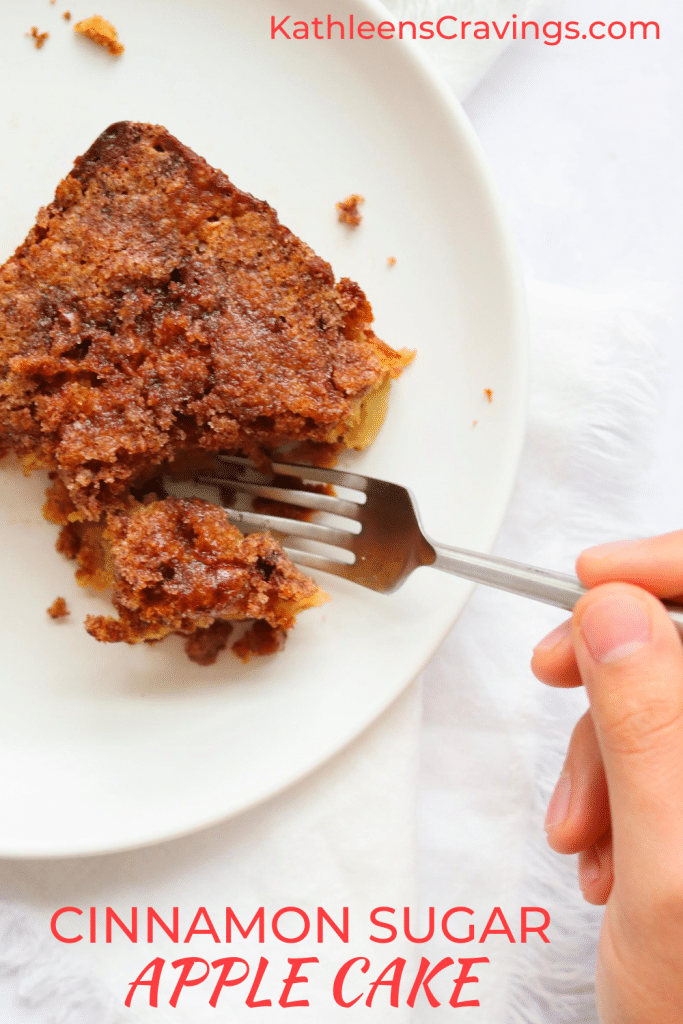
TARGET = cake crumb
x,y
101,32
261,638
58,609
67,15
348,212
204,646
391,261
474,422
489,394
38,37
179,566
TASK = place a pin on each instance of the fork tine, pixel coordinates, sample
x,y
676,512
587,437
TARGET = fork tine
x,y
336,477
320,562
305,499
292,528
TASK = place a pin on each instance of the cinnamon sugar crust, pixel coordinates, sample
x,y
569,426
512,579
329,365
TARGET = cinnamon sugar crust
x,y
179,566
155,309
156,314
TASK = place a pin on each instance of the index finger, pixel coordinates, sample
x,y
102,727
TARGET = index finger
x,y
654,563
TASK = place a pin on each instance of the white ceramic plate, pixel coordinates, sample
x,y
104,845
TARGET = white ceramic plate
x,y
107,747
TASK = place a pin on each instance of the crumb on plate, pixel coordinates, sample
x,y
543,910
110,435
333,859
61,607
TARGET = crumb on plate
x,y
204,646
474,422
38,37
261,638
489,394
67,15
391,261
348,212
58,609
101,32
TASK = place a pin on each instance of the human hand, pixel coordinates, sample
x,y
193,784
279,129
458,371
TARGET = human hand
x,y
619,799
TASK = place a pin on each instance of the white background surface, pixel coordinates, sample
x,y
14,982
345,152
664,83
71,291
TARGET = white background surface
x,y
586,145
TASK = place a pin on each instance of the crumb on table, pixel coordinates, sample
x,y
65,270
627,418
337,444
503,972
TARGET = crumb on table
x,y
58,609
489,394
67,15
101,32
474,422
348,212
391,261
38,37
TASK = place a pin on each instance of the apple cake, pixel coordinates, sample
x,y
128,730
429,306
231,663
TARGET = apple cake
x,y
156,313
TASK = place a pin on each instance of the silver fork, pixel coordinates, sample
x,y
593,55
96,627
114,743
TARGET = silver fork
x,y
376,538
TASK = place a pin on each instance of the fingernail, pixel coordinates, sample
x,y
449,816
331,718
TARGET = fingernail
x,y
615,627
553,638
589,868
558,808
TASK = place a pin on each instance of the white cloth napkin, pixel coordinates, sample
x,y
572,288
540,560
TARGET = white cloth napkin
x,y
492,736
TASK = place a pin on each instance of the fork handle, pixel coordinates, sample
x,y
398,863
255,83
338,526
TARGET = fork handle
x,y
554,588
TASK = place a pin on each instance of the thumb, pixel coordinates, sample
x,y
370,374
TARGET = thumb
x,y
631,661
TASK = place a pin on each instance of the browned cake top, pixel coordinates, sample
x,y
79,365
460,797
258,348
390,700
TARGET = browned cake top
x,y
180,565
154,307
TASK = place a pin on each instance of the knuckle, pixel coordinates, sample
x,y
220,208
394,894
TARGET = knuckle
x,y
641,726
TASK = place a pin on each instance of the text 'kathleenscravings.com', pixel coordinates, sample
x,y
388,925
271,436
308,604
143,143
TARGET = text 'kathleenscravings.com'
x,y
551,33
